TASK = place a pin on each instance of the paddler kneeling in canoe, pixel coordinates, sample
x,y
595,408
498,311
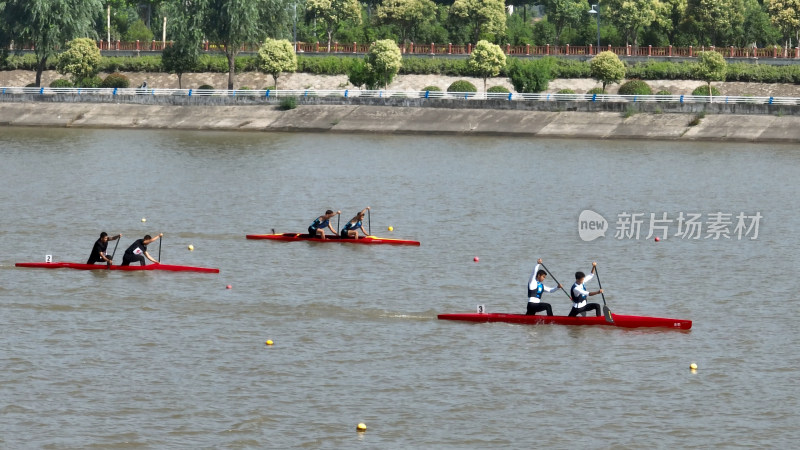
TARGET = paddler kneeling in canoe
x,y
350,230
138,251
579,294
99,249
317,228
536,288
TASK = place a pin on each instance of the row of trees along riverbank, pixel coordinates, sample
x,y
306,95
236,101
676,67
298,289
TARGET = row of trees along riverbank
x,y
48,24
383,61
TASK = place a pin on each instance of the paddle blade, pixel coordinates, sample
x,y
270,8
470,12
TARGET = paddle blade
x,y
607,313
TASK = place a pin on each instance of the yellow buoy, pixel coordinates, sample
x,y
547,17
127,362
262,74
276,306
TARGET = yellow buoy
x,y
693,366
269,342
144,220
391,228
361,427
191,247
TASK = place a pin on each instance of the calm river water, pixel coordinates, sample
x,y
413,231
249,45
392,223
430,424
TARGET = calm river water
x,y
161,359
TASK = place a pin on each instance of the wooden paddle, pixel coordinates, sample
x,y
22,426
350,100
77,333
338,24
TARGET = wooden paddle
x,y
554,279
606,311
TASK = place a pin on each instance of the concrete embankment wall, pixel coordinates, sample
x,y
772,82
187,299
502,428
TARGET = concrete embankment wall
x,y
593,120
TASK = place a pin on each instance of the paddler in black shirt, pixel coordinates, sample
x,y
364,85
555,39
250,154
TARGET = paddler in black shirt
x,y
138,250
99,249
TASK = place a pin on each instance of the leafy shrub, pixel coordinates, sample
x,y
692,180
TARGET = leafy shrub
x,y
61,83
288,103
635,87
501,89
703,90
531,76
565,91
115,80
90,82
31,85
205,86
663,92
269,88
245,88
462,86
431,88
595,90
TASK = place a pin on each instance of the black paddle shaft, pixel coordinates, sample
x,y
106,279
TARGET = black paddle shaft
x,y
554,279
606,311
369,222
115,248
159,247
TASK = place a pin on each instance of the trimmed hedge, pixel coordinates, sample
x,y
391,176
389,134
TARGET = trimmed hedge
x,y
498,89
432,88
635,87
462,86
61,83
703,90
115,80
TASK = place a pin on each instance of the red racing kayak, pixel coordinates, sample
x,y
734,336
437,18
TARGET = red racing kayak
x,y
79,266
620,320
291,237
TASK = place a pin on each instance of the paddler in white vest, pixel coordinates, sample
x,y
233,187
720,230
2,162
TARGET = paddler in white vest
x,y
579,294
350,229
536,288
317,228
138,250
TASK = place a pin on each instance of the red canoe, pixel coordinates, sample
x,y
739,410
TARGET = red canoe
x,y
619,320
305,237
79,266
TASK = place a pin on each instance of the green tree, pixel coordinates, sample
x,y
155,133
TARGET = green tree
x,y
277,56
716,20
565,13
359,75
607,68
406,15
333,12
711,66
758,28
531,76
81,60
484,17
486,60
234,23
785,14
47,24
631,16
383,61
184,26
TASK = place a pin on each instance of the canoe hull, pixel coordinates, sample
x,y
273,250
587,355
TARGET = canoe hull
x,y
620,320
79,266
369,240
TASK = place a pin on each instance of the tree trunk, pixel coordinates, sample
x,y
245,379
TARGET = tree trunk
x,y
39,69
275,80
180,86
330,34
231,66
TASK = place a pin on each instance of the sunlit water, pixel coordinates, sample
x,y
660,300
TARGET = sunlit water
x,y
160,359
